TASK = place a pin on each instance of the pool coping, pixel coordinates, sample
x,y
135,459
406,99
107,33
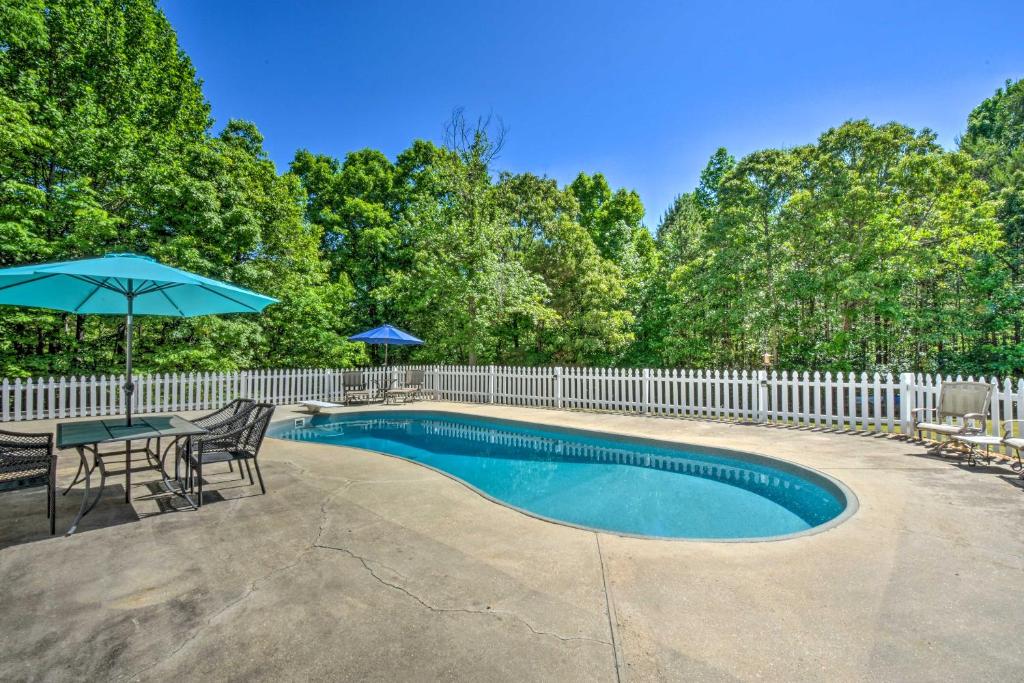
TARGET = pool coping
x,y
834,486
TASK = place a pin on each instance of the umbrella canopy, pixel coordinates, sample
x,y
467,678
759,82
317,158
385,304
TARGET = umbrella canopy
x,y
124,284
115,282
386,335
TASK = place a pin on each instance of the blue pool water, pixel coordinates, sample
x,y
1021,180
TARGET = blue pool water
x,y
598,481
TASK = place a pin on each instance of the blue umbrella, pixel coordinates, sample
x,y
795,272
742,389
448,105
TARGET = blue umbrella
x,y
124,284
386,335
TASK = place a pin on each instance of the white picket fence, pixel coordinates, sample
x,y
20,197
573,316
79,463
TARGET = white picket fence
x,y
55,398
845,401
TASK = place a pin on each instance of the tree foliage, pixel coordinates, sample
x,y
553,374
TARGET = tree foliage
x,y
106,146
860,251
871,248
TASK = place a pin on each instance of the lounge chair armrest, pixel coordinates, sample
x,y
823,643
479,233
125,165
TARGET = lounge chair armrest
x,y
1007,425
975,416
915,411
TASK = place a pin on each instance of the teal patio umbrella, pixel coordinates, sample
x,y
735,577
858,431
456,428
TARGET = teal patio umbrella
x,y
386,334
128,285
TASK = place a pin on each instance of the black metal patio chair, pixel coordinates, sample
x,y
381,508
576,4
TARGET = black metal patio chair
x,y
241,443
28,460
211,421
224,419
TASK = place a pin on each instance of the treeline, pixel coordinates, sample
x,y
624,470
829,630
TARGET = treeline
x,y
873,248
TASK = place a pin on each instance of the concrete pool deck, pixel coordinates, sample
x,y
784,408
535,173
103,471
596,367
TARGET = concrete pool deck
x,y
362,566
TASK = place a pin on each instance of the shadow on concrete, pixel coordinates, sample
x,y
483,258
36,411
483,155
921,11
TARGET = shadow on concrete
x,y
24,511
25,521
213,486
981,468
1013,480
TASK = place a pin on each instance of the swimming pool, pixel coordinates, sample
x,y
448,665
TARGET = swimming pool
x,y
599,481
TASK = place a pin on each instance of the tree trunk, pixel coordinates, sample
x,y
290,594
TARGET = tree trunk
x,y
471,307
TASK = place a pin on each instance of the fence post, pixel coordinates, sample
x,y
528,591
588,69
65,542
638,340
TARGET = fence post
x,y
762,396
558,386
490,383
647,391
906,403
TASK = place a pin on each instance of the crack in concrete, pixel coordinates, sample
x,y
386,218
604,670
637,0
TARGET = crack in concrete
x,y
323,511
255,584
310,473
463,610
433,608
610,611
253,587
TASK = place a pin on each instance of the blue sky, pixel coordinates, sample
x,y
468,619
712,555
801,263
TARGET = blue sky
x,y
643,92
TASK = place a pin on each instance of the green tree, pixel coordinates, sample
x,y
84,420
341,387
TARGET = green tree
x,y
106,147
995,139
863,251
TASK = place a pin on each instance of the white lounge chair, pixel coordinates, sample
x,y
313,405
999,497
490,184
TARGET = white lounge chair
x,y
1014,442
965,402
409,390
353,388
356,388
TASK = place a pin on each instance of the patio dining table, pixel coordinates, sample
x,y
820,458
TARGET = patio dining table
x,y
87,436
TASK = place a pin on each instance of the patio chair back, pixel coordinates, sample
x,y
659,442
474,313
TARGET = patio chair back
x,y
352,380
957,399
240,405
252,438
225,413
232,423
414,379
28,460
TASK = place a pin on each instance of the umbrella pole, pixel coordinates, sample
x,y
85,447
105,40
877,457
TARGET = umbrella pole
x,y
129,386
385,355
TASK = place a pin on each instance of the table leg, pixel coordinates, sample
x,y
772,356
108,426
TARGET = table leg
x,y
127,471
152,456
175,485
188,456
86,507
98,463
81,466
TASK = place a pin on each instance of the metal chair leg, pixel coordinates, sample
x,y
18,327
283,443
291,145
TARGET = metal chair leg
x,y
247,469
199,475
259,475
51,495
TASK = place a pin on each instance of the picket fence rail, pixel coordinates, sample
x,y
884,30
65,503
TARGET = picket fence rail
x,y
858,402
